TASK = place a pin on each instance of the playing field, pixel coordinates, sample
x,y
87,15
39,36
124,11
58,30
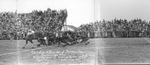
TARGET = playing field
x,y
108,51
126,51
11,53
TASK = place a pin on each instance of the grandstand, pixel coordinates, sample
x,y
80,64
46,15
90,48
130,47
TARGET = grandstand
x,y
118,28
48,20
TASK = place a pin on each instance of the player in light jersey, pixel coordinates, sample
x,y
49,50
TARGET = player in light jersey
x,y
29,38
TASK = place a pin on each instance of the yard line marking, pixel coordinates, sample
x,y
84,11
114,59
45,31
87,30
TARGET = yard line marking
x,y
147,40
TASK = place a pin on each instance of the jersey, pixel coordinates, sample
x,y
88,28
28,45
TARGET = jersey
x,y
30,35
31,32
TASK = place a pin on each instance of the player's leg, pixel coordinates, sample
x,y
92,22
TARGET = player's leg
x,y
26,43
43,42
87,41
32,43
60,41
40,40
46,42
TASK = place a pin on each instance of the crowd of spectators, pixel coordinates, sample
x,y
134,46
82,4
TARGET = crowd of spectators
x,y
16,24
118,28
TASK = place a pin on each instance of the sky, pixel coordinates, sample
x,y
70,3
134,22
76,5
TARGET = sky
x,y
79,11
125,9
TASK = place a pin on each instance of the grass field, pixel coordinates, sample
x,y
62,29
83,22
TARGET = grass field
x,y
11,53
108,51
126,51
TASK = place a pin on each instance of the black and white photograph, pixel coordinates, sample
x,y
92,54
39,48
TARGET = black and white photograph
x,y
48,32
74,32
125,30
